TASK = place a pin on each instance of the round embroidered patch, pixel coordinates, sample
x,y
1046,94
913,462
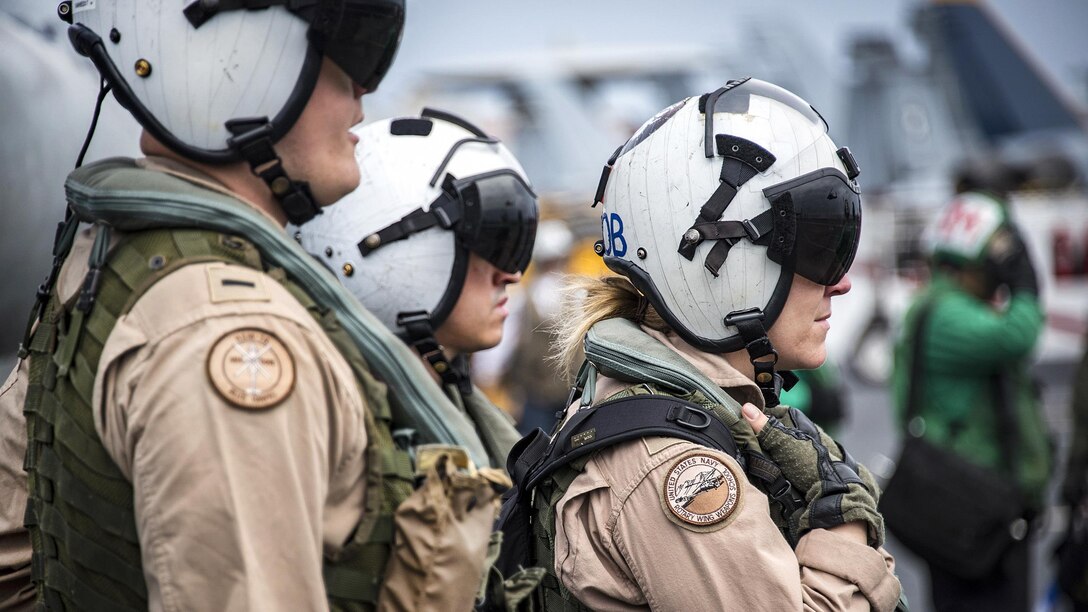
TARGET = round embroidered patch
x,y
701,491
251,369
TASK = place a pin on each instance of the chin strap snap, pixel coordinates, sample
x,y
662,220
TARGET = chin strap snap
x,y
420,335
253,141
762,354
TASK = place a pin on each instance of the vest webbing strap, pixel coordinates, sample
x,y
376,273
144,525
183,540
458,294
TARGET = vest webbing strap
x,y
619,420
60,579
88,553
117,520
344,584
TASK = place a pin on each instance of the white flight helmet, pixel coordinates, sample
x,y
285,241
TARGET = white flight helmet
x,y
220,81
714,204
433,188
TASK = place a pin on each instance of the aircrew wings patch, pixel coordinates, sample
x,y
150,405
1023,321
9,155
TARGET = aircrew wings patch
x,y
701,492
251,369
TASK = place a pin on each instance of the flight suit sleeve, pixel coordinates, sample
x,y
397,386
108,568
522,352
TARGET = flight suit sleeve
x,y
239,426
16,590
682,528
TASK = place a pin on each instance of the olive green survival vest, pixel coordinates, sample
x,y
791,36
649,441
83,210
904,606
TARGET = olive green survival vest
x,y
618,349
495,428
80,511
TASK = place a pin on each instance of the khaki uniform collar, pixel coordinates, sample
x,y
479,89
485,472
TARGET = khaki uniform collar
x,y
714,366
196,177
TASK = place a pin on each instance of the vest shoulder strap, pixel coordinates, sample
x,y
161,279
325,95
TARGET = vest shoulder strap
x,y
614,421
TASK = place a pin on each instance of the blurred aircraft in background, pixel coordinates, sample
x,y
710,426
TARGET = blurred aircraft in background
x,y
977,96
980,106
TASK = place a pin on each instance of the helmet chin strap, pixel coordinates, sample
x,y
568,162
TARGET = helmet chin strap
x,y
762,354
253,141
419,334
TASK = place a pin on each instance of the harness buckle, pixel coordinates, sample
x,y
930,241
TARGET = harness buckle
x,y
443,217
410,318
751,230
680,415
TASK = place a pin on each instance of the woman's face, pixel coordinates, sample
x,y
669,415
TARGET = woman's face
x,y
800,332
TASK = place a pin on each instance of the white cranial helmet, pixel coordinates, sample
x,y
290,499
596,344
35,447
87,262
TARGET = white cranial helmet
x,y
434,188
714,204
220,81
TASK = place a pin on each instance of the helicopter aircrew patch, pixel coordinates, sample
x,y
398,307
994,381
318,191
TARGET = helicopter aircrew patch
x,y
701,493
251,369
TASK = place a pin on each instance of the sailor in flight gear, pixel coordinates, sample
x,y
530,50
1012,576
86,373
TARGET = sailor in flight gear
x,y
733,219
443,220
207,416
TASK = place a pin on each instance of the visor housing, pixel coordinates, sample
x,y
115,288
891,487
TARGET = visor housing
x,y
360,36
817,225
499,218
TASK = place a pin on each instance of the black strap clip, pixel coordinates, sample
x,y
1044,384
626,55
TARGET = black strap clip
x,y
689,417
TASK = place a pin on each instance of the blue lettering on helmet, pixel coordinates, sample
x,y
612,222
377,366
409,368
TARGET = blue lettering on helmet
x,y
612,232
617,242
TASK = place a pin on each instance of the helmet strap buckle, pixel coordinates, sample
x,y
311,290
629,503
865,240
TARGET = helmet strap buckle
x,y
252,139
420,335
761,352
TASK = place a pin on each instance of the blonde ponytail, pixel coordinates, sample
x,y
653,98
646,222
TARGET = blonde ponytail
x,y
588,300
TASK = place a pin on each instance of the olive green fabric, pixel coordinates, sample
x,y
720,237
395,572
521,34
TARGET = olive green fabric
x,y
494,426
80,513
834,490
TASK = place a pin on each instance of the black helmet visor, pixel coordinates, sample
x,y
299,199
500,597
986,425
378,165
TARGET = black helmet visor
x,y
360,36
499,218
817,224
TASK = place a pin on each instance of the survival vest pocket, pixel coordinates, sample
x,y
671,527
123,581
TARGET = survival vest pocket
x,y
442,532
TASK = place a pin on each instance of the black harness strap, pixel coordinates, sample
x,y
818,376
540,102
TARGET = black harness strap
x,y
728,233
743,159
778,488
62,245
420,336
444,212
252,138
749,324
615,421
199,12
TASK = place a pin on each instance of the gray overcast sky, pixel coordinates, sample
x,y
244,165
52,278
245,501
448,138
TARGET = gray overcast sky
x,y
1053,30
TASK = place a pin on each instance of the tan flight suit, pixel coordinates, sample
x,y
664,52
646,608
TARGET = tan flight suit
x,y
235,507
618,546
16,591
